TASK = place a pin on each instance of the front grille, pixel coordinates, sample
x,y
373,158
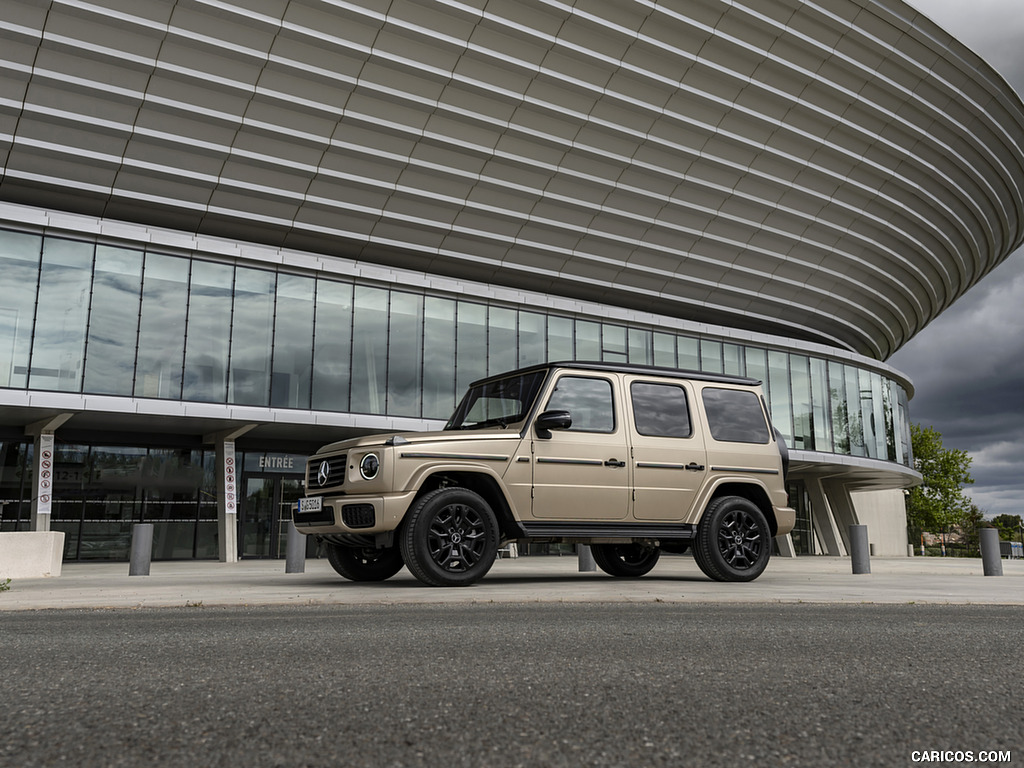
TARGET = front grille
x,y
335,467
358,515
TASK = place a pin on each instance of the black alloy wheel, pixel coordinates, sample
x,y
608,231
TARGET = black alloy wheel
x,y
450,538
733,540
625,560
364,563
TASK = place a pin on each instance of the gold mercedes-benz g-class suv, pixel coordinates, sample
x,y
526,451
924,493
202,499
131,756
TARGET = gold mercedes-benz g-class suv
x,y
630,460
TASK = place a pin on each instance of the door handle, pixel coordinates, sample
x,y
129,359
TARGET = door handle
x,y
693,466
614,463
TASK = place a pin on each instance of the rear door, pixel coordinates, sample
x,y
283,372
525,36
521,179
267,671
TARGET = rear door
x,y
668,453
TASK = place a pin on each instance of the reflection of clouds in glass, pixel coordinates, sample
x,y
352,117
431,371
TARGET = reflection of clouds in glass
x,y
589,401
735,416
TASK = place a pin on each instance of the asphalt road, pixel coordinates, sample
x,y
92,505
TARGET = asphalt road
x,y
510,685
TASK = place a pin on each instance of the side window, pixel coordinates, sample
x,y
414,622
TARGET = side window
x,y
735,416
660,410
588,400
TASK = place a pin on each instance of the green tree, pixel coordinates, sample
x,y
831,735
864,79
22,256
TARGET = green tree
x,y
1008,525
939,503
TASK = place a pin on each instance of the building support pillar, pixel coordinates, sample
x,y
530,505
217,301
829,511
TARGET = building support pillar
x,y
227,490
841,504
43,456
824,523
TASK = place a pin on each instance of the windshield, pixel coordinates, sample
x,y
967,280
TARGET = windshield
x,y
498,402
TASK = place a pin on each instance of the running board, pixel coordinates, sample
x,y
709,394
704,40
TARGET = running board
x,y
588,530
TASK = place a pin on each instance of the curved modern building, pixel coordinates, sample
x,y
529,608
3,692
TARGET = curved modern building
x,y
233,231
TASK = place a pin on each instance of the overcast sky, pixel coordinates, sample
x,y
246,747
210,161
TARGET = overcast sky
x,y
968,365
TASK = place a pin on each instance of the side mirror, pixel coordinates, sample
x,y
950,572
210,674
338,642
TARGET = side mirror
x,y
551,420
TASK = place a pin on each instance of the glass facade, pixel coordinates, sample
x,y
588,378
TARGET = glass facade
x,y
78,316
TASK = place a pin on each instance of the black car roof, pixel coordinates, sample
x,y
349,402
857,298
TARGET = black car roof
x,y
643,370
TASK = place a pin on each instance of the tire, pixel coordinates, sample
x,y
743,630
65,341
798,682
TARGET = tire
x,y
449,538
733,540
365,563
625,560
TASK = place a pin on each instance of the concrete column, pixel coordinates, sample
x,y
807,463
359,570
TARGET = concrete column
x,y
228,480
841,504
786,548
824,524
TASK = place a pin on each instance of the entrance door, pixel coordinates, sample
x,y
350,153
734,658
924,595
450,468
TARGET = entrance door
x,y
265,513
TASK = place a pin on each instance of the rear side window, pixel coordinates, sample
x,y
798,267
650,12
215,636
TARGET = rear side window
x,y
589,402
660,410
735,416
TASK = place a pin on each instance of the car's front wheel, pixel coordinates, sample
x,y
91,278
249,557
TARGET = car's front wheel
x,y
733,540
625,560
450,538
364,563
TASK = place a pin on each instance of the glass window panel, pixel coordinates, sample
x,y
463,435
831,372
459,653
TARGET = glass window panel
x,y
641,345
369,349
711,356
665,350
588,341
501,340
904,428
293,342
803,430
735,416
438,358
613,344
820,406
840,408
780,400
252,334
113,321
732,360
15,485
162,327
876,415
660,410
589,402
208,337
689,353
59,342
405,363
471,336
855,418
892,438
531,339
560,339
19,278
757,366
332,359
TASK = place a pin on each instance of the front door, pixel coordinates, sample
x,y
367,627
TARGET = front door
x,y
583,471
265,513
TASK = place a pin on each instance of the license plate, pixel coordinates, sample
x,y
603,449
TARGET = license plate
x,y
311,504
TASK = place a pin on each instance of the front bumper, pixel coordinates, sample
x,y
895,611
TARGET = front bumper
x,y
354,514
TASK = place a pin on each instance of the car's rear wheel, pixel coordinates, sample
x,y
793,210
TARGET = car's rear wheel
x,y
364,563
625,560
733,540
450,538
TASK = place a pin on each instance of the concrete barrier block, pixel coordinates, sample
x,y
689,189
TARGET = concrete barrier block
x,y
31,554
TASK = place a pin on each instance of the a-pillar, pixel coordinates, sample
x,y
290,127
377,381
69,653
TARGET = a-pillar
x,y
44,456
227,490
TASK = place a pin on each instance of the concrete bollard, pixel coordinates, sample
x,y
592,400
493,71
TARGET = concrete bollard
x,y
142,549
295,552
991,558
586,558
860,552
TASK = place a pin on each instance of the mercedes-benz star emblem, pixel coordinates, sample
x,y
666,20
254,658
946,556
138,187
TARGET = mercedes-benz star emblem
x,y
324,473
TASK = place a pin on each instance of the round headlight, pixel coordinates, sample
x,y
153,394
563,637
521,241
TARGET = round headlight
x,y
369,466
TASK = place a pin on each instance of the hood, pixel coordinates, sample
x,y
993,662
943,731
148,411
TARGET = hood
x,y
419,438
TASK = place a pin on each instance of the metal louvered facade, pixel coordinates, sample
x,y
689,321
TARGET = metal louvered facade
x,y
282,222
837,171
